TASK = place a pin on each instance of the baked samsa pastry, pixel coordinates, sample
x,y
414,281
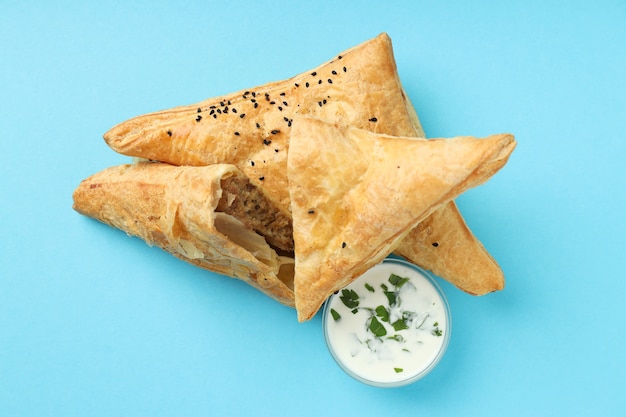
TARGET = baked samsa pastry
x,y
356,194
210,216
251,129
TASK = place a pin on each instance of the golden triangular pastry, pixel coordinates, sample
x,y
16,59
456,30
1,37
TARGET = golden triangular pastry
x,y
356,194
208,216
251,129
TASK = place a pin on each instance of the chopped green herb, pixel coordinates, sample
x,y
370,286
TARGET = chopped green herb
x,y
336,316
349,298
397,280
391,298
383,313
436,324
397,338
369,287
377,328
354,310
399,325
398,370
384,287
437,332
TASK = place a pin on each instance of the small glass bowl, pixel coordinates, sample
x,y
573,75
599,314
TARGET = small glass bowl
x,y
428,366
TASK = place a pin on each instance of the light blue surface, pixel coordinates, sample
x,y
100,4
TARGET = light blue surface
x,y
94,323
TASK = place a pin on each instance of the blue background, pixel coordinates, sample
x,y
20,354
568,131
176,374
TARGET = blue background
x,y
94,323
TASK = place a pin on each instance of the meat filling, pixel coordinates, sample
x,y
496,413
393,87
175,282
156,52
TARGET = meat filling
x,y
246,203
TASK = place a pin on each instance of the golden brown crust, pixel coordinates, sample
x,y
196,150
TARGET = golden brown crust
x,y
174,208
356,194
251,130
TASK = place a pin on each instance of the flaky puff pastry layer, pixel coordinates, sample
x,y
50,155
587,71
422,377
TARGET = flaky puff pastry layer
x,y
355,195
251,129
174,208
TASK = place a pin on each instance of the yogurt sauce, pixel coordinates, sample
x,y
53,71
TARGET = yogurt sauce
x,y
390,326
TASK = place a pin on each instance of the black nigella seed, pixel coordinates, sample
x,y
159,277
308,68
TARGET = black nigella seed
x,y
261,179
211,107
199,110
373,119
198,118
280,108
266,141
435,244
234,110
275,131
314,73
225,110
334,72
330,81
242,115
319,82
289,123
324,101
253,100
256,105
253,94
306,85
169,133
282,94
286,119
285,103
252,163
297,85
272,102
339,57
215,116
258,125
343,244
222,103
344,69
311,211
229,102
212,112
276,150
236,133
319,103
219,111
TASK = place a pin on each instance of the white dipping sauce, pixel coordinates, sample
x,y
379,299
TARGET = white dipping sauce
x,y
398,331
